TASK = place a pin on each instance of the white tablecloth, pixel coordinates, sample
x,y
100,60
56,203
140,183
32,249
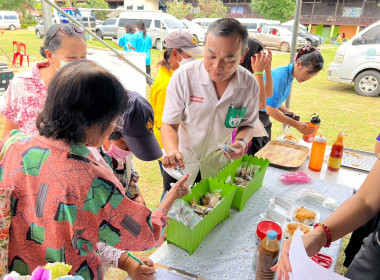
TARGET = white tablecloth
x,y
227,252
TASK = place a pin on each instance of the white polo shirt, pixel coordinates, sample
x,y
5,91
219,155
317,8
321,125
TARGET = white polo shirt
x,y
191,102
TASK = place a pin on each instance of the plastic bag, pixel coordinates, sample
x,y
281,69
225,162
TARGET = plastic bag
x,y
295,177
319,199
182,213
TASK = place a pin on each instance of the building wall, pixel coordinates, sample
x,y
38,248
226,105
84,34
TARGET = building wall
x,y
146,5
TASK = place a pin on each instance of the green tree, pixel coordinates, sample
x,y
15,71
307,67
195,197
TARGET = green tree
x,y
179,8
19,6
211,9
281,10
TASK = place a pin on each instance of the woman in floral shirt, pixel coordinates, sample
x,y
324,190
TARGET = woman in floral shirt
x,y
63,202
27,92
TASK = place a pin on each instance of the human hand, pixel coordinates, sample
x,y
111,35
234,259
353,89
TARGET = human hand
x,y
305,128
180,188
258,62
283,265
137,271
268,61
239,151
173,159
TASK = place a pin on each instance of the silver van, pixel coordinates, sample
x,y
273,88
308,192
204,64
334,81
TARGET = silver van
x,y
358,61
9,20
158,25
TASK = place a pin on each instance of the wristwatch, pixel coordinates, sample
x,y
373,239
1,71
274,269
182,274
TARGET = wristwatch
x,y
242,139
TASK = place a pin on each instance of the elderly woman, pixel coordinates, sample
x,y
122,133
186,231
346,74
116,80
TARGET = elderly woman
x,y
27,92
63,202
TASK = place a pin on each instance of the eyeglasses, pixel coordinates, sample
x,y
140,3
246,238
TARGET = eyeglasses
x,y
67,30
119,124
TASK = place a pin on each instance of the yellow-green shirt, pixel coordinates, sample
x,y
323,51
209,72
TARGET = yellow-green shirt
x,y
157,98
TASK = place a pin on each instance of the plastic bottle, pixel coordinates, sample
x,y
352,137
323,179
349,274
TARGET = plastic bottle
x,y
262,228
315,121
317,153
336,154
268,255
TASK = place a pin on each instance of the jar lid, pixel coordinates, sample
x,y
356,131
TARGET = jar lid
x,y
320,139
265,226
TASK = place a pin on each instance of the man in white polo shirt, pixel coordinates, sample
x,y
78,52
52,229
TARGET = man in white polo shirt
x,y
205,101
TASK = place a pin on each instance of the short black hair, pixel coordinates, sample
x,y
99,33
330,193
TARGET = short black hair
x,y
228,27
53,40
81,95
254,46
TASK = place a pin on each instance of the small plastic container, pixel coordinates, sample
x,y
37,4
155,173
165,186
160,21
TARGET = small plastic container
x,y
317,153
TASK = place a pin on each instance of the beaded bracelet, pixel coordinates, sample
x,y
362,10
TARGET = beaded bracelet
x,y
328,234
258,73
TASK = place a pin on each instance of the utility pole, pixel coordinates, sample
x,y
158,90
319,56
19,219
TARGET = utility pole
x,y
294,39
46,15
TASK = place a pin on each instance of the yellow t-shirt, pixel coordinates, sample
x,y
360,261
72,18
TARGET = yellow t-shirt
x,y
157,99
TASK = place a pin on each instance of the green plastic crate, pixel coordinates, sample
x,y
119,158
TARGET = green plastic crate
x,y
243,194
181,235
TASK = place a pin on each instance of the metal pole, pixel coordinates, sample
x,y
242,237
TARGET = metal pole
x,y
47,16
120,55
294,40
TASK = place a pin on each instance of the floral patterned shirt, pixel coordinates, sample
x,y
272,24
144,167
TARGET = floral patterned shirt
x,y
63,203
25,99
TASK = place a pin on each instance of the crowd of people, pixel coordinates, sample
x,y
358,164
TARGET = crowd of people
x,y
72,129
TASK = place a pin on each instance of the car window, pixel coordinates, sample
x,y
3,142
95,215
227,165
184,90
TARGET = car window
x,y
110,22
92,19
148,23
265,30
157,23
372,36
251,25
124,21
1,17
173,23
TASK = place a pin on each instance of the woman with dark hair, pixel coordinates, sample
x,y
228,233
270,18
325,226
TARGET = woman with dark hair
x,y
308,62
142,42
27,92
126,40
64,201
257,62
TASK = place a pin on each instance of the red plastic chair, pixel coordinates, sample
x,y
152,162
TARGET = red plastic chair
x,y
17,51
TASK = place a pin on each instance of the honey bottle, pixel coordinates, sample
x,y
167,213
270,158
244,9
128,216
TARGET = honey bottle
x,y
336,154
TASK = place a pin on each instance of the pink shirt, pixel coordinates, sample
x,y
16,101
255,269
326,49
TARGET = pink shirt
x,y
25,99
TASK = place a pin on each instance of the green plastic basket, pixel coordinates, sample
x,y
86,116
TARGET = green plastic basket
x,y
181,235
243,194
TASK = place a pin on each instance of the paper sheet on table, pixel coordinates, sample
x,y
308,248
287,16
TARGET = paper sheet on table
x,y
164,274
304,267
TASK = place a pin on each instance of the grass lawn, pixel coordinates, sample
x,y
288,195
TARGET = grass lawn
x,y
339,108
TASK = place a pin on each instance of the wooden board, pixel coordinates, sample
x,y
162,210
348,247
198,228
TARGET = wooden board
x,y
284,154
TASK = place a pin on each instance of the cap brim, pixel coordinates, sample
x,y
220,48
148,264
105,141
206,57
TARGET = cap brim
x,y
196,52
144,148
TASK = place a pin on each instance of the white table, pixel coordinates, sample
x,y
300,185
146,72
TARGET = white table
x,y
227,252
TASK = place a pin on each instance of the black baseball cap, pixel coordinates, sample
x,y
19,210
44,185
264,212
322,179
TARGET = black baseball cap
x,y
138,128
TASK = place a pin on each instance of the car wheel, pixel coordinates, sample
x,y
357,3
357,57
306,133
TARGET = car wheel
x,y
12,27
38,33
308,42
99,34
367,83
157,44
284,47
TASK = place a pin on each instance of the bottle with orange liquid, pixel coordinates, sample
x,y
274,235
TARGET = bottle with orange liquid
x,y
317,153
336,154
315,121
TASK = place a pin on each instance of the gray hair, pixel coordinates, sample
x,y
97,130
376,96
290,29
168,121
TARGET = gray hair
x,y
53,39
228,27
